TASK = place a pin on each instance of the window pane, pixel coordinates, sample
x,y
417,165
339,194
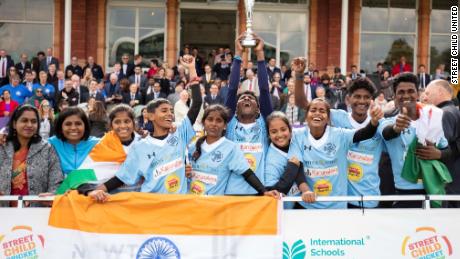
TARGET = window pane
x,y
28,38
151,44
386,49
402,20
12,9
374,17
120,41
408,4
293,22
122,17
39,10
264,21
292,45
270,45
439,52
151,17
440,23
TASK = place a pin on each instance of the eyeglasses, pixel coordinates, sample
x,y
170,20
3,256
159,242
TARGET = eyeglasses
x,y
45,106
38,91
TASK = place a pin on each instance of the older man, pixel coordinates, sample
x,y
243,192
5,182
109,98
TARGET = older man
x,y
439,93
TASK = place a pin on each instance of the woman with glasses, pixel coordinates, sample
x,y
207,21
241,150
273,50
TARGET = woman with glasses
x,y
46,120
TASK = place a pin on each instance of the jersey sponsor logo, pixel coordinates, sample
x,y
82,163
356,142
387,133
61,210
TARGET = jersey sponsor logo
x,y
167,168
294,190
210,179
330,149
172,183
321,172
251,147
172,141
355,172
252,161
216,156
197,187
322,187
360,157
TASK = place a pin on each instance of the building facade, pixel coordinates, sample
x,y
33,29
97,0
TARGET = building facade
x,y
376,30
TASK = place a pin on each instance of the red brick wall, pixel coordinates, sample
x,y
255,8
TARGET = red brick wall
x,y
91,28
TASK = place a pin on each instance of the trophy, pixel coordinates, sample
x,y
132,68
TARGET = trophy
x,y
248,40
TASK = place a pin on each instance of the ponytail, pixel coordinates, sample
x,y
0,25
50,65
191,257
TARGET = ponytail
x,y
196,155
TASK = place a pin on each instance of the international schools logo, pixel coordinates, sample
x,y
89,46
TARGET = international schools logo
x,y
158,247
297,250
21,242
426,243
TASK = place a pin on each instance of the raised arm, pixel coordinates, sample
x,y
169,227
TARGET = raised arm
x,y
265,100
298,65
371,128
188,61
234,77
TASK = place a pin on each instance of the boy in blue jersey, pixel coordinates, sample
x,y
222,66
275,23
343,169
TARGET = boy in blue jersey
x,y
159,159
399,134
247,128
19,92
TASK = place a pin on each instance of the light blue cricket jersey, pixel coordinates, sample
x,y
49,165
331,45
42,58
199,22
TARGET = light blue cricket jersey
x,y
253,141
160,162
397,150
213,168
325,163
275,166
363,159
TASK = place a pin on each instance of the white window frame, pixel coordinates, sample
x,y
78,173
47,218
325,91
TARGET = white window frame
x,y
134,5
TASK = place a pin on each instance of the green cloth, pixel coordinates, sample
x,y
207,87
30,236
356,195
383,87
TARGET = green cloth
x,y
75,179
434,173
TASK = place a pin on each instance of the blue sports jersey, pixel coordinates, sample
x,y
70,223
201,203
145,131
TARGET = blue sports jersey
x,y
253,141
18,93
275,166
159,162
214,167
363,159
397,150
325,163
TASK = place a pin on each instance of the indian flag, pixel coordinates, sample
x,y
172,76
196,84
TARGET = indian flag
x,y
142,225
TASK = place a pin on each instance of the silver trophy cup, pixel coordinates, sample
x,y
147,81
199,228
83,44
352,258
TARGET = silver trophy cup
x,y
248,40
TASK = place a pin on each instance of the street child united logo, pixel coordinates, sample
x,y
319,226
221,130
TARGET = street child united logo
x,y
21,242
296,251
426,243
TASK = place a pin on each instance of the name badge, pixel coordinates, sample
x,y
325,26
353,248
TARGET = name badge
x,y
167,168
360,157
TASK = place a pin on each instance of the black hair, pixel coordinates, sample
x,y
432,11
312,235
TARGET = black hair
x,y
251,93
328,106
278,115
122,108
138,66
70,111
155,61
12,134
224,113
41,53
362,83
154,104
421,65
406,77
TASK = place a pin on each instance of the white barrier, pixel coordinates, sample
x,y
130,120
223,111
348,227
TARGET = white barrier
x,y
377,233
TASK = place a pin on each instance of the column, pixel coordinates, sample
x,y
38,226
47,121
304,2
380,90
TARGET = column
x,y
423,50
344,36
67,31
172,9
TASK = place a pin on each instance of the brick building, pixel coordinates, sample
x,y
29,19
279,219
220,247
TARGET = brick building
x,y
376,30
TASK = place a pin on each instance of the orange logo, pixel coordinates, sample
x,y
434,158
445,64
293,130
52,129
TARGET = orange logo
x,y
21,242
426,243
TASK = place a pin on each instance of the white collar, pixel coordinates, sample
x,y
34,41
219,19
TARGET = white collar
x,y
319,142
357,125
247,125
158,142
210,147
284,154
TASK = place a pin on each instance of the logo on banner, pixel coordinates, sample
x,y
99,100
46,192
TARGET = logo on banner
x,y
296,251
21,242
355,172
426,243
323,187
158,247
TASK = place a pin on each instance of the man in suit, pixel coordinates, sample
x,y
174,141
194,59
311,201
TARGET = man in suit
x,y
22,65
81,90
94,93
48,60
152,92
5,63
423,77
74,67
272,68
112,90
133,97
98,73
208,78
127,68
310,90
250,84
354,73
213,97
138,78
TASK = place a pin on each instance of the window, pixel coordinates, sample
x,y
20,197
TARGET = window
x,y
284,34
440,34
26,26
135,30
388,31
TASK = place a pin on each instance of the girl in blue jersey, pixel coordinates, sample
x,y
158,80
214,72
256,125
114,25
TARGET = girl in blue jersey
x,y
159,158
278,167
215,158
72,141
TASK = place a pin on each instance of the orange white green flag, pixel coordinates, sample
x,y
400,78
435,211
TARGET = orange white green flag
x,y
141,225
